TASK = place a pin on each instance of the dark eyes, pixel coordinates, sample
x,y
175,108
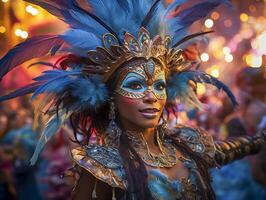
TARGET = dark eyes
x,y
137,86
134,85
160,86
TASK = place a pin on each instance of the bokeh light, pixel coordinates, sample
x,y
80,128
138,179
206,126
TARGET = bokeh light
x,y
204,57
201,89
244,17
215,15
2,29
253,60
229,58
226,50
32,10
228,23
208,23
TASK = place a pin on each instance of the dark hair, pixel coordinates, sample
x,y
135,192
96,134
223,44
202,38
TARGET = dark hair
x,y
95,122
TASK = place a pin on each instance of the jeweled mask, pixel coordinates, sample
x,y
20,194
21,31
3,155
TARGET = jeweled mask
x,y
140,77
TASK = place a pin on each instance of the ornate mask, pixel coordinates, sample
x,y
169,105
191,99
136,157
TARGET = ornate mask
x,y
140,78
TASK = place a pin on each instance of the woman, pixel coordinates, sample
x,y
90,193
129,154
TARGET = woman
x,y
121,70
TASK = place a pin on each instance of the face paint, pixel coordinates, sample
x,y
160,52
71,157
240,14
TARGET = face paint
x,y
143,78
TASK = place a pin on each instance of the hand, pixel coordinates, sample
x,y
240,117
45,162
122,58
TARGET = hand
x,y
262,133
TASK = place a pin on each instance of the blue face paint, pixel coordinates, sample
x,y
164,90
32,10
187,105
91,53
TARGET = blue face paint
x,y
135,86
134,83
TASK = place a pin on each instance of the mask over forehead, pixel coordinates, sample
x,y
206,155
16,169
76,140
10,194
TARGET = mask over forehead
x,y
141,77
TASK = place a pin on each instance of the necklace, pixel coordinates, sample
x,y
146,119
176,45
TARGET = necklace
x,y
167,157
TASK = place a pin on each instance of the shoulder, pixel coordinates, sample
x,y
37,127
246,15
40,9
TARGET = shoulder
x,y
197,139
103,163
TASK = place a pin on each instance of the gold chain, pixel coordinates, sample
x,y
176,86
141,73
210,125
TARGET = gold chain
x,y
167,157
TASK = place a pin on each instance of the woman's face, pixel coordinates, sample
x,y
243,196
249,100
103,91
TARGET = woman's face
x,y
140,95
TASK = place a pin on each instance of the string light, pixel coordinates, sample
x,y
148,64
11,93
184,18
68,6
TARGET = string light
x,y
204,57
208,23
4,1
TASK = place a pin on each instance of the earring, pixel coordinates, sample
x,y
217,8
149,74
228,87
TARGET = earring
x,y
113,132
164,123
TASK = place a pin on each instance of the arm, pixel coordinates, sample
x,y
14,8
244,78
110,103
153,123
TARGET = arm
x,y
86,188
237,148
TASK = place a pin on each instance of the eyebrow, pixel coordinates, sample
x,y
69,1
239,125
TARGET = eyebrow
x,y
135,75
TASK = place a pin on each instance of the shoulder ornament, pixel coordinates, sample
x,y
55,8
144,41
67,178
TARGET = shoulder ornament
x,y
197,139
102,162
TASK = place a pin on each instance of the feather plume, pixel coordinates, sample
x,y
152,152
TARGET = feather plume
x,y
150,14
178,86
52,126
81,39
21,92
88,92
189,37
72,14
177,26
32,48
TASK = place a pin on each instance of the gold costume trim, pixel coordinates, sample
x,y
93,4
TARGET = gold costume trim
x,y
112,177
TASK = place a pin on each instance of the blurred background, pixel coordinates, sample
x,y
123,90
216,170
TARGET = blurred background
x,y
235,53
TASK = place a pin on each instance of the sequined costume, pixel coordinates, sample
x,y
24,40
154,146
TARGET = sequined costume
x,y
134,51
199,153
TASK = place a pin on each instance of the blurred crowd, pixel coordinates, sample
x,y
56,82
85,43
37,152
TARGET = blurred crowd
x,y
19,180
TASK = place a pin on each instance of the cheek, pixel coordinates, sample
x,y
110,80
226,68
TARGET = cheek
x,y
162,102
126,105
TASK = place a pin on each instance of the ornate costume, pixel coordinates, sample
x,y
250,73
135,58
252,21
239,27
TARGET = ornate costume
x,y
131,48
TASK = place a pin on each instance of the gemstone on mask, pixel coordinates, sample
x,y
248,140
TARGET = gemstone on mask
x,y
150,68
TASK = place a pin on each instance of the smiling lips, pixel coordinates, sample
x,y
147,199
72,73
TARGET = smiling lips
x,y
149,113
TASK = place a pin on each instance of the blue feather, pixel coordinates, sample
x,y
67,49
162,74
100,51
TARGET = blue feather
x,y
151,13
178,25
31,48
178,84
72,14
81,39
56,81
173,6
89,92
53,125
124,4
21,92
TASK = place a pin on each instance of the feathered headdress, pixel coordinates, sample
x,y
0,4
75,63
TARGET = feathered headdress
x,y
102,35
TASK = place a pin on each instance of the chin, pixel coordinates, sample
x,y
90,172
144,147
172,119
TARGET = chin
x,y
148,124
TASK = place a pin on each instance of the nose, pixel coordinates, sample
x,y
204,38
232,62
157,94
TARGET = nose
x,y
149,97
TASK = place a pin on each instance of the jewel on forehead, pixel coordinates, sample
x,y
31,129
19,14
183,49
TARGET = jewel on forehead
x,y
150,68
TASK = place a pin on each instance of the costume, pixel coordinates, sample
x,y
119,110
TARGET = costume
x,y
130,49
